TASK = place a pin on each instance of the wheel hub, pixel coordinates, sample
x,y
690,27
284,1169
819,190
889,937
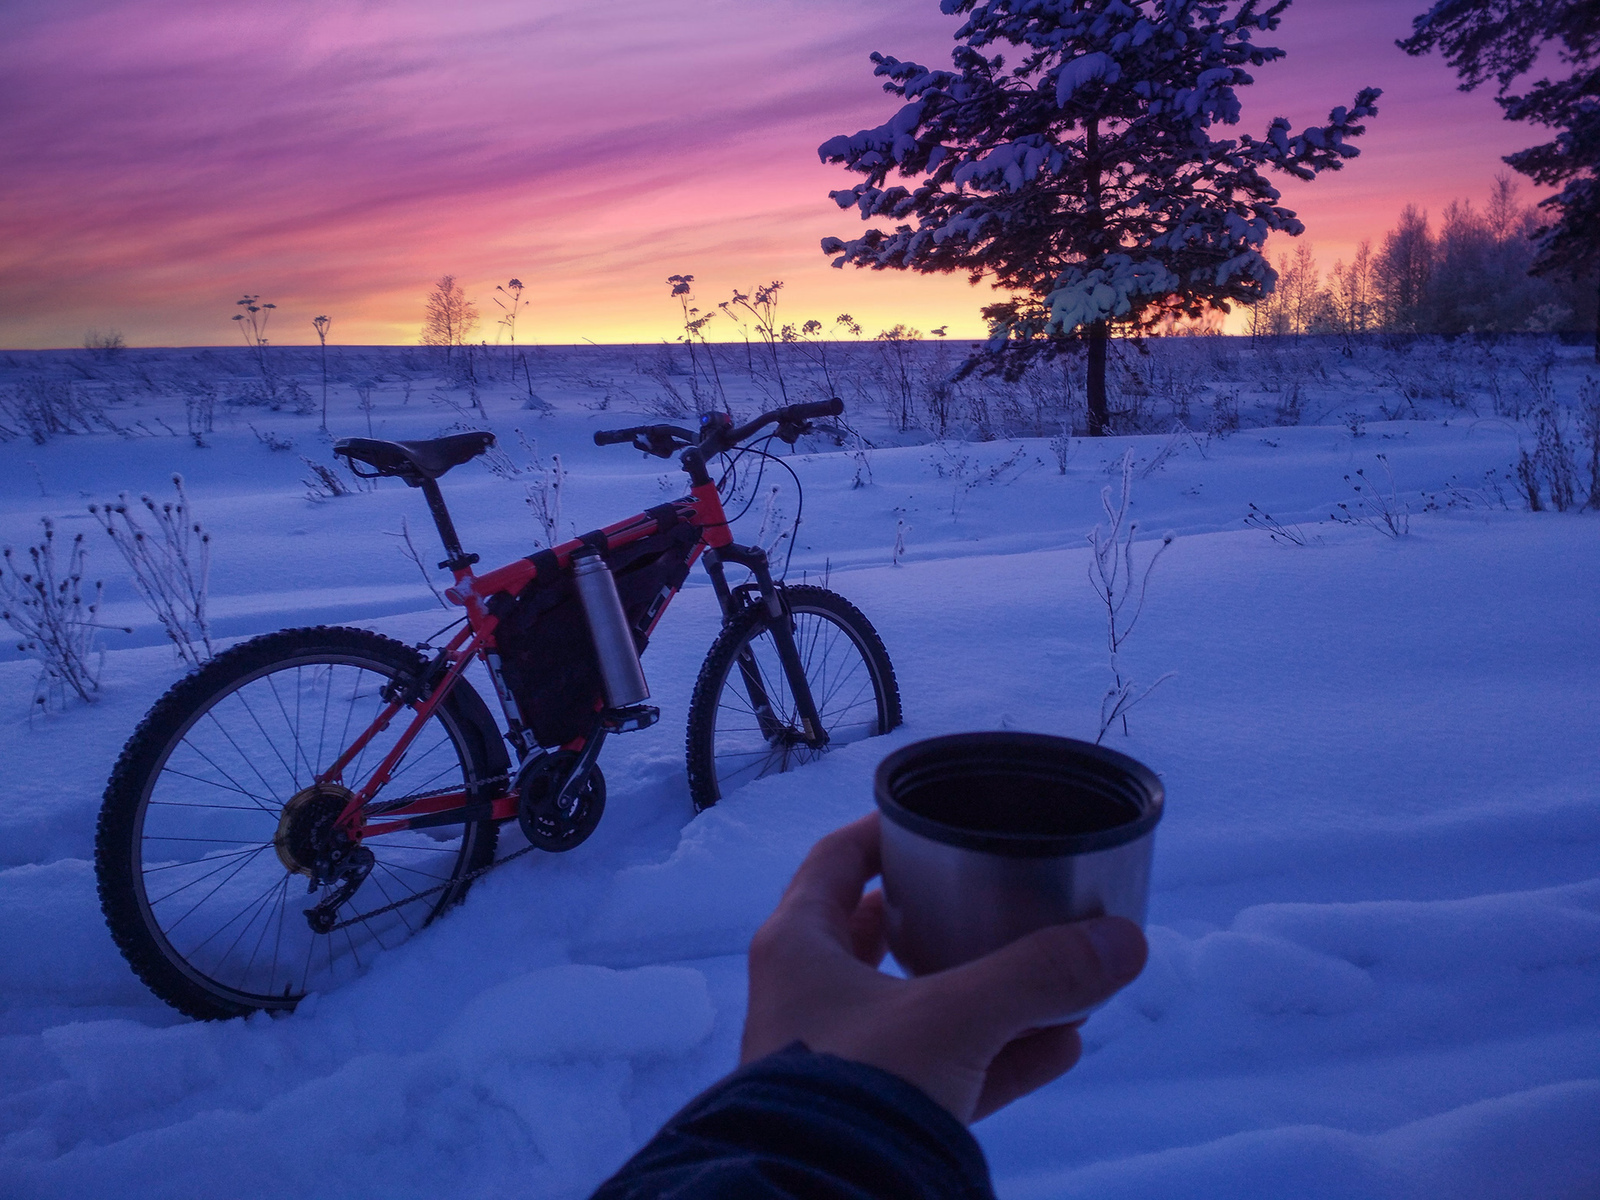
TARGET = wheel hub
x,y
306,841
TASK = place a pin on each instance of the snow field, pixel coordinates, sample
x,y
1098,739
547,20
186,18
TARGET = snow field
x,y
1375,926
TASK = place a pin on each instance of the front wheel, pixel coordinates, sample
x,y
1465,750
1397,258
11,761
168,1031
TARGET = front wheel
x,y
215,821
743,721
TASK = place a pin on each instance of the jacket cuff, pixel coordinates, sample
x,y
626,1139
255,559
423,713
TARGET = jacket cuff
x,y
806,1124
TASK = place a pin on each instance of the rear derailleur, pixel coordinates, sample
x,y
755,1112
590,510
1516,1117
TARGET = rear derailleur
x,y
309,842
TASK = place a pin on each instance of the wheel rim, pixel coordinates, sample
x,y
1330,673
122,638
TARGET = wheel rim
x,y
747,746
208,866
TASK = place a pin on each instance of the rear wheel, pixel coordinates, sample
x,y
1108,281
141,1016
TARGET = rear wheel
x,y
743,721
215,836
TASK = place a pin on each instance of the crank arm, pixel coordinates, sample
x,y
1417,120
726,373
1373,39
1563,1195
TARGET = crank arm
x,y
567,797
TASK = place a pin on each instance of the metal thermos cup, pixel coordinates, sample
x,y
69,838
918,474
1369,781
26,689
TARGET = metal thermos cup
x,y
989,836
608,626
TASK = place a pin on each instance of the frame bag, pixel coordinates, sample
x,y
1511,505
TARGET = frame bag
x,y
546,653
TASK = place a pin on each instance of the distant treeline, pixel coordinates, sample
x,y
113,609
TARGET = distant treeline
x,y
1468,275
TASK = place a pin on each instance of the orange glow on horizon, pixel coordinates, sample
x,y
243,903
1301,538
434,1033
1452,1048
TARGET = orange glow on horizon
x,y
365,159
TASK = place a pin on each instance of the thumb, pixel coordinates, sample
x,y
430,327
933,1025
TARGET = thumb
x,y
1045,977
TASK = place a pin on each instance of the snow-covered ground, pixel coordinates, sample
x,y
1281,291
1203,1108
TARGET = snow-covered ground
x,y
1375,926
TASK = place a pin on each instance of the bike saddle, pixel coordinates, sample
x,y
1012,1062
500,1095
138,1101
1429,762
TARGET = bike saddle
x,y
414,461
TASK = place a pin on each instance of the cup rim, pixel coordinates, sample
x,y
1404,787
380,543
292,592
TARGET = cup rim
x,y
1004,745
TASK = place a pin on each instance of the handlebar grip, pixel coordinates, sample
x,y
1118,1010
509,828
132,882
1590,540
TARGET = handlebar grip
x,y
610,437
816,408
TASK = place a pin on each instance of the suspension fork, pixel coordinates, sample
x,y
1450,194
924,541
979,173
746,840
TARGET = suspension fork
x,y
781,625
713,524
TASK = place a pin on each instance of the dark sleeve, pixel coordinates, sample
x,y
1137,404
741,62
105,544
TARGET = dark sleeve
x,y
798,1124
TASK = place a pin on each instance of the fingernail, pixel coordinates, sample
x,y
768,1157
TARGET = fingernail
x,y
1118,944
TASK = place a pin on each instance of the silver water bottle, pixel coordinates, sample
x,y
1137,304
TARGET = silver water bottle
x,y
608,626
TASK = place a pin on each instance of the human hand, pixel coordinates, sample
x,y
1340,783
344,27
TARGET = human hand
x,y
975,1037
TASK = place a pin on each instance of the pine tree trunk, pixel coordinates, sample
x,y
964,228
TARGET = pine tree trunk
x,y
1099,417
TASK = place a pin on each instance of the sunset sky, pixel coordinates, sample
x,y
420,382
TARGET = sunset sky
x,y
158,158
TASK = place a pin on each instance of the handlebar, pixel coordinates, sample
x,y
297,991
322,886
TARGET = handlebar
x,y
717,435
794,416
660,440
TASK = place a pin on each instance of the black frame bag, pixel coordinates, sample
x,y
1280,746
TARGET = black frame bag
x,y
546,653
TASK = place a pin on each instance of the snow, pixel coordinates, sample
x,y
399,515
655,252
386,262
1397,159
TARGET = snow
x,y
1375,920
1087,68
1082,297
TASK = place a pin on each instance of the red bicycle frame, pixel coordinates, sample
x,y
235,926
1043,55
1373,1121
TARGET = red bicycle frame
x,y
701,508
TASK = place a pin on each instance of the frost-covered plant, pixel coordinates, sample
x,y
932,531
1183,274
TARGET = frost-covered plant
x,y
364,401
543,497
271,440
965,472
900,531
894,373
705,378
1526,473
1180,435
409,550
1046,397
171,566
1537,374
1589,427
861,456
761,309
1284,535
44,605
1457,495
200,410
39,409
1116,583
1224,417
326,483
1062,448
819,351
775,527
1377,506
1553,463
253,328
322,325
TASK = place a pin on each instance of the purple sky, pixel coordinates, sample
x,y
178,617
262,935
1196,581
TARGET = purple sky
x,y
162,157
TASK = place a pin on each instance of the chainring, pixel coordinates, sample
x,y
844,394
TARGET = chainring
x,y
543,823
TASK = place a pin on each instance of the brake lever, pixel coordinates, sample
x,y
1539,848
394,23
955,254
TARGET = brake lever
x,y
790,432
659,446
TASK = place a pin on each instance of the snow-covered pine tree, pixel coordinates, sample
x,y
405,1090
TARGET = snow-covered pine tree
x,y
1081,176
1506,39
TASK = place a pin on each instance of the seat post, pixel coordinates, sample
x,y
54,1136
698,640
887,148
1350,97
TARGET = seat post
x,y
458,560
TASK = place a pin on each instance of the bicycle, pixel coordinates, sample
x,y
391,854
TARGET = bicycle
x,y
285,763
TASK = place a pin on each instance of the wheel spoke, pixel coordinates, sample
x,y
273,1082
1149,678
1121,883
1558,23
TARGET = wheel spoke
x,y
846,686
210,833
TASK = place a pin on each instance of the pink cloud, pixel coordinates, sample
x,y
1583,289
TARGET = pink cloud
x,y
164,156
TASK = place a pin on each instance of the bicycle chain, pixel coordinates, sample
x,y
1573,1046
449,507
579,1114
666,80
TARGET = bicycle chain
x,y
462,880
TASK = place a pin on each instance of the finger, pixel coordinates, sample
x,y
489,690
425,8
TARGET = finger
x,y
1041,979
829,882
1027,1063
869,929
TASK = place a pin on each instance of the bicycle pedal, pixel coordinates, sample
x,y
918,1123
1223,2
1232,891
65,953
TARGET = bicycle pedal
x,y
625,720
